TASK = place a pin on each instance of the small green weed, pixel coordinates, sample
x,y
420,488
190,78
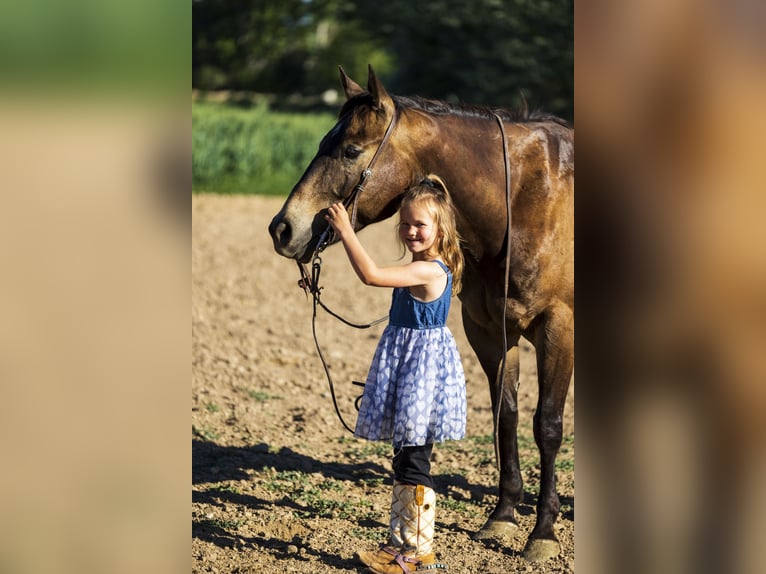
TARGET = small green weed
x,y
287,481
212,407
462,506
260,396
222,523
368,449
204,433
373,482
374,534
221,487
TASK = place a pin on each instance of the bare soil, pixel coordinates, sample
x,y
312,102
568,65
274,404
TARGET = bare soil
x,y
278,485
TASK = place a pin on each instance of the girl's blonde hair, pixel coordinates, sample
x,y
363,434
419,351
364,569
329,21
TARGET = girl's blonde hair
x,y
431,194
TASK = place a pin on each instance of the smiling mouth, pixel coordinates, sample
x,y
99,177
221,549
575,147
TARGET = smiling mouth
x,y
413,242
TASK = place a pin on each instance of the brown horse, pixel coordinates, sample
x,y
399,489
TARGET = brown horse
x,y
464,145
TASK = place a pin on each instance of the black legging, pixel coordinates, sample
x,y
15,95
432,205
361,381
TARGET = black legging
x,y
412,465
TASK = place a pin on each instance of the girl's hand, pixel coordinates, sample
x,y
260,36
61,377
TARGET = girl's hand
x,y
337,216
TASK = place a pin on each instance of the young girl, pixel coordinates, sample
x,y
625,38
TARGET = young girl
x,y
415,391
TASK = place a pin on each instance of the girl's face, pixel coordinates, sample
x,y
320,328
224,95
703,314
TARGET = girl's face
x,y
417,229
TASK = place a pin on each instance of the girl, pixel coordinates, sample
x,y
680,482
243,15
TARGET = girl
x,y
415,391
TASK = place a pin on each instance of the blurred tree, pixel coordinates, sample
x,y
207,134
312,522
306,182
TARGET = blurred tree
x,y
485,51
276,46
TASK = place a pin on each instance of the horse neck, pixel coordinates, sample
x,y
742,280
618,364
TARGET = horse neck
x,y
467,153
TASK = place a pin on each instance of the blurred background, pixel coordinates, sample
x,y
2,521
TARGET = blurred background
x,y
265,73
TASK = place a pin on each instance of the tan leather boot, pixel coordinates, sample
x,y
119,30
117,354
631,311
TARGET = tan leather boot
x,y
413,510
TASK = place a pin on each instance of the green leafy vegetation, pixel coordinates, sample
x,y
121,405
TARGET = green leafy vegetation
x,y
252,150
260,396
204,433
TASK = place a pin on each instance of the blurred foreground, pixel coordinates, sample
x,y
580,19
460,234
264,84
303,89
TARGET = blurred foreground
x,y
671,473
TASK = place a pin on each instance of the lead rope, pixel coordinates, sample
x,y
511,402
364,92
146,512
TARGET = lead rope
x,y
310,284
506,285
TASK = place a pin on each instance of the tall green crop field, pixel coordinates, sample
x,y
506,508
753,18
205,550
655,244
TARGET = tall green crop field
x,y
252,150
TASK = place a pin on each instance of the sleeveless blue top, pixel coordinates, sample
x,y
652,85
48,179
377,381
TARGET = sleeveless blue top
x,y
406,311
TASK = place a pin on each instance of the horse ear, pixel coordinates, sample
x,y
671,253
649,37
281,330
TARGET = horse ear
x,y
349,86
380,97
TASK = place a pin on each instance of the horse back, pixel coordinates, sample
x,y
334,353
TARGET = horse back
x,y
541,273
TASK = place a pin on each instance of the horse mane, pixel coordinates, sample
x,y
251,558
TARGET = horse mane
x,y
440,107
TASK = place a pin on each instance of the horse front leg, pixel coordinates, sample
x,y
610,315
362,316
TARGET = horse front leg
x,y
554,346
502,521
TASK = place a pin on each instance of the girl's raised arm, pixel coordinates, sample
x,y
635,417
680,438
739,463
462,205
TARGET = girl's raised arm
x,y
415,273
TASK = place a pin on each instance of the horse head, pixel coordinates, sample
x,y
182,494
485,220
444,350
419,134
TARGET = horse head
x,y
344,154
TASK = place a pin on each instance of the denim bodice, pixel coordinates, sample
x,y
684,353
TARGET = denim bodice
x,y
406,311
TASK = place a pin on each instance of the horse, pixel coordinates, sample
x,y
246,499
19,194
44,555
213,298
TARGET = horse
x,y
511,178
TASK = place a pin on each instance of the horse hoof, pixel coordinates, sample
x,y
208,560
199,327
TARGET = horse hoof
x,y
497,529
539,549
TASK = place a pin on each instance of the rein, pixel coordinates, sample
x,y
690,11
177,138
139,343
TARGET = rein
x,y
310,283
506,163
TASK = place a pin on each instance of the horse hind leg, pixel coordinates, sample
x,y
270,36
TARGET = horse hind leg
x,y
502,521
554,346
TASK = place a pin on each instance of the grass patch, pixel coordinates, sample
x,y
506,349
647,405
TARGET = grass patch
x,y
252,150
373,482
320,505
461,506
365,449
222,487
481,447
286,481
325,498
379,535
204,433
261,397
221,523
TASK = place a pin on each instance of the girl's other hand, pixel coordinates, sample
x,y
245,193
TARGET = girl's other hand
x,y
337,216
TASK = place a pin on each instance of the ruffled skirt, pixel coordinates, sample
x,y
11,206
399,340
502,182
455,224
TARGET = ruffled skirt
x,y
415,390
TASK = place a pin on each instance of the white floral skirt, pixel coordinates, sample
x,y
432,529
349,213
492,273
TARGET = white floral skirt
x,y
415,390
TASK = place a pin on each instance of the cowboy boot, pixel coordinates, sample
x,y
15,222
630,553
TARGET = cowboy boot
x,y
413,512
398,498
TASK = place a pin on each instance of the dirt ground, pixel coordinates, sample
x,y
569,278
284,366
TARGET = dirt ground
x,y
278,485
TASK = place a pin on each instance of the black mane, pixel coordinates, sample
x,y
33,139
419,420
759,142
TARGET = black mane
x,y
439,107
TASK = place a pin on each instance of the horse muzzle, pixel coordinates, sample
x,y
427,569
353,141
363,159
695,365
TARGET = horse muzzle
x,y
287,242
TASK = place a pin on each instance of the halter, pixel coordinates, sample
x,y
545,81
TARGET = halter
x,y
310,283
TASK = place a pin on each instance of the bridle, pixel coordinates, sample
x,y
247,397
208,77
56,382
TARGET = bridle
x,y
310,283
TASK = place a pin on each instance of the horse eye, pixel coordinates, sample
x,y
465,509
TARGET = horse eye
x,y
352,152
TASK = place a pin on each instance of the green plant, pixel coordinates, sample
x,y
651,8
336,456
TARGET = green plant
x,y
260,396
221,487
252,150
204,433
374,534
462,506
222,523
